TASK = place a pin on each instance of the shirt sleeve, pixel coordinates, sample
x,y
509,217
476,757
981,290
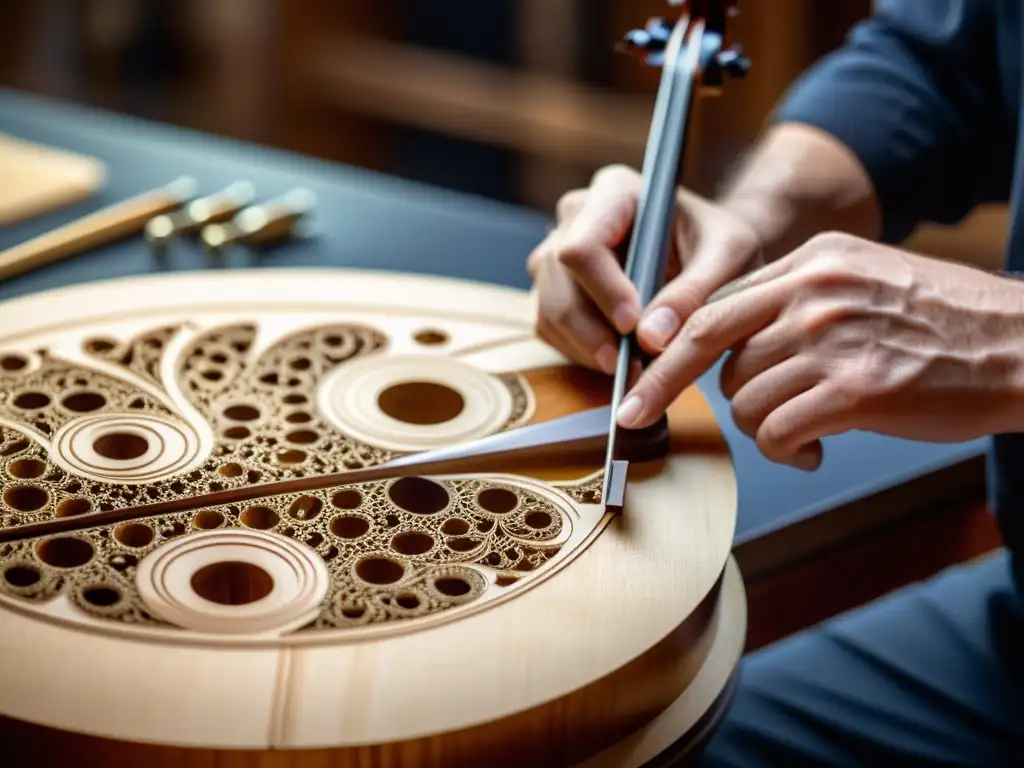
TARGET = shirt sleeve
x,y
915,94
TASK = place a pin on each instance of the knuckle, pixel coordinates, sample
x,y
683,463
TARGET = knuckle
x,y
569,203
830,241
615,173
575,255
701,325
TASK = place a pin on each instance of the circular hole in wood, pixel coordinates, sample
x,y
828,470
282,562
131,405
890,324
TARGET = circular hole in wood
x,y
212,374
84,402
237,433
232,582
291,456
455,527
26,498
134,535
379,570
305,508
353,611
121,446
65,552
409,602
463,544
26,469
506,581
101,596
13,362
538,520
22,576
349,526
100,346
430,337
208,519
452,586
421,402
242,413
347,499
73,507
230,470
260,518
498,501
294,399
298,417
302,437
412,543
31,401
301,364
418,495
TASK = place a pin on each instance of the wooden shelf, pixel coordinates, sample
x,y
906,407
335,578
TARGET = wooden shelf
x,y
520,109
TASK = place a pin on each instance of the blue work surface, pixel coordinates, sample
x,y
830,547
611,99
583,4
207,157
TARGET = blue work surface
x,y
370,221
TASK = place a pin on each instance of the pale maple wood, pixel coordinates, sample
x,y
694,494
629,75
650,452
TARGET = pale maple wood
x,y
35,178
622,645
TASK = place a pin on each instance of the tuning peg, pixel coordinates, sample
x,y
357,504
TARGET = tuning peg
x,y
732,61
652,38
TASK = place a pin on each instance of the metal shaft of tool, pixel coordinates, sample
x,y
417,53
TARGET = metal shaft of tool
x,y
651,242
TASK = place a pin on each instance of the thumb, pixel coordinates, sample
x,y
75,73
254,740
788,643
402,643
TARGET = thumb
x,y
717,259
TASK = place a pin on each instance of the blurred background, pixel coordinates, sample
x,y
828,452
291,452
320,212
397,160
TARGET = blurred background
x,y
518,100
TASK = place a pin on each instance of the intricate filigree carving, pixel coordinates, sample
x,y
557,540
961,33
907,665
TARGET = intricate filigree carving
x,y
395,549
236,408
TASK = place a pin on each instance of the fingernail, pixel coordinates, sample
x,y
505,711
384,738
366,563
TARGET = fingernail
x,y
660,326
606,357
624,318
629,411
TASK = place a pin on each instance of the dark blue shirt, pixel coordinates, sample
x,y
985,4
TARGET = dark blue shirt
x,y
927,94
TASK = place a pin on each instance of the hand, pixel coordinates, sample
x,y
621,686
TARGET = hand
x,y
845,334
585,299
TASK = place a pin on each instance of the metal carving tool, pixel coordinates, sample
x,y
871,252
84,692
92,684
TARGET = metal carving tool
x,y
197,214
278,219
692,56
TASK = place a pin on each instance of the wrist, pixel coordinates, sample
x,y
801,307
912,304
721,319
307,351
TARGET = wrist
x,y
799,182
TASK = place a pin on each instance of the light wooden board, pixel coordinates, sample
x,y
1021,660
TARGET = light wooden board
x,y
35,179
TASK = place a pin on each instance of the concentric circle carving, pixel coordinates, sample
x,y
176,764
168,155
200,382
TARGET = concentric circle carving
x,y
127,448
412,403
234,582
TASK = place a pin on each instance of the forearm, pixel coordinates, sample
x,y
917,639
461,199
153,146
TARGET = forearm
x,y
799,181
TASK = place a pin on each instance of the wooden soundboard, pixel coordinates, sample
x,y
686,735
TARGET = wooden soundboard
x,y
500,619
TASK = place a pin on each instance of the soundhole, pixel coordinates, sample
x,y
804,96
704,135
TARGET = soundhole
x,y
232,583
121,446
421,402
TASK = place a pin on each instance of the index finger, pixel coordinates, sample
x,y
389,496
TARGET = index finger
x,y
707,334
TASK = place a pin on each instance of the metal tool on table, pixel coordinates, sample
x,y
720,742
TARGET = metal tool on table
x,y
217,207
287,216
